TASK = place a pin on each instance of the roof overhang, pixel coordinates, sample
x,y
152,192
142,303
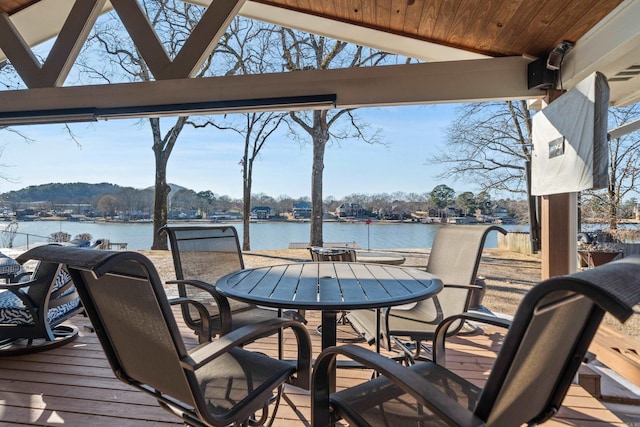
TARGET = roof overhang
x,y
411,84
611,47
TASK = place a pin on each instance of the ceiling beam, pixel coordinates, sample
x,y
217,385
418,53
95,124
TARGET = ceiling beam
x,y
65,49
57,11
34,29
611,47
438,82
626,128
204,36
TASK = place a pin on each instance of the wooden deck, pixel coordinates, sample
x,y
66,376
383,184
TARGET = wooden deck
x,y
74,386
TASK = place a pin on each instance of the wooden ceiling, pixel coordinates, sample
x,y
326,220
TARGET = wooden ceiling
x,y
449,31
491,27
12,6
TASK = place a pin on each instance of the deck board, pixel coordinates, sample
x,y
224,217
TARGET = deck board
x,y
74,386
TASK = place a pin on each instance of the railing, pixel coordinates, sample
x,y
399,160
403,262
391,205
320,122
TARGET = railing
x,y
29,238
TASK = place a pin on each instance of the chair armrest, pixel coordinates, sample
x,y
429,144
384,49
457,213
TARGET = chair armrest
x,y
221,301
20,275
19,290
387,311
203,354
11,286
439,353
294,315
204,333
423,391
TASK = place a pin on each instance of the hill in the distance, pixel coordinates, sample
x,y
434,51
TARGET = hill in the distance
x,y
77,192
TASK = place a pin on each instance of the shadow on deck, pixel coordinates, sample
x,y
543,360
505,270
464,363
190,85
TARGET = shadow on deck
x,y
74,385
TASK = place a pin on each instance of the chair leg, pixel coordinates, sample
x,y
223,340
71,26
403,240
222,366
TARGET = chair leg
x,y
265,419
412,349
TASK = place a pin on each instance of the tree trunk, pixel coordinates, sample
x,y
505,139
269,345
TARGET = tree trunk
x,y
160,209
613,216
612,200
246,205
320,139
162,150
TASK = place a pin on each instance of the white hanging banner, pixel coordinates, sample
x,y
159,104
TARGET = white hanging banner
x,y
570,146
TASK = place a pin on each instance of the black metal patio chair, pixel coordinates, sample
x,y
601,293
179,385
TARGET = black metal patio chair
x,y
201,255
214,384
332,254
540,356
454,259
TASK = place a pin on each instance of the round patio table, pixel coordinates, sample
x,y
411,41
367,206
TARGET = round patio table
x,y
330,287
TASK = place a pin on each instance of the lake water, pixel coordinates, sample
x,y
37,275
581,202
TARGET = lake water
x,y
264,236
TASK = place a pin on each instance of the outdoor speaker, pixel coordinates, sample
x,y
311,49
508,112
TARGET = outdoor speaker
x,y
539,76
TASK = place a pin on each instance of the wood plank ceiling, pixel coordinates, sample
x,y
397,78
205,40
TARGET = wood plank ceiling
x,y
12,6
491,27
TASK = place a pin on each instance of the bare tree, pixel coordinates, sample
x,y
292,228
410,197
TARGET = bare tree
x,y
107,205
8,234
247,47
258,128
173,21
8,76
307,51
488,144
624,168
9,80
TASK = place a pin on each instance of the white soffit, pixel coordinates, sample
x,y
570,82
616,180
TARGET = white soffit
x,y
613,48
35,29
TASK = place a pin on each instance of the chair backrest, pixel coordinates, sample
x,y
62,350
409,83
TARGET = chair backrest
x,y
43,272
204,252
50,286
331,254
456,252
549,337
62,300
454,259
126,303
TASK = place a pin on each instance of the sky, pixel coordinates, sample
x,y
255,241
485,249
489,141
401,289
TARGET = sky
x,y
119,152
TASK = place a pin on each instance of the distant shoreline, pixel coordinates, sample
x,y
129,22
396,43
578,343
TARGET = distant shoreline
x,y
429,220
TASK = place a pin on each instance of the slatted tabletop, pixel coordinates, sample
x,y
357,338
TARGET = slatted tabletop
x,y
329,285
